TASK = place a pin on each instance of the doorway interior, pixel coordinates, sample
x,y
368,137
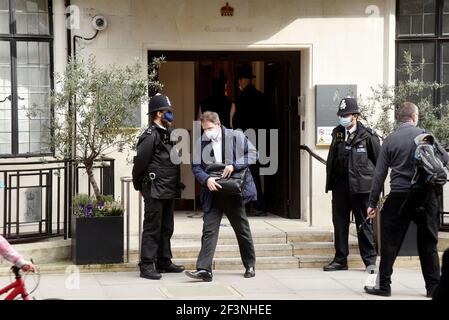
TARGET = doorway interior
x,y
277,76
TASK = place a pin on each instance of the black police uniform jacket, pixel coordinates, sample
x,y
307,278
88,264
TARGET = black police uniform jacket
x,y
362,157
153,156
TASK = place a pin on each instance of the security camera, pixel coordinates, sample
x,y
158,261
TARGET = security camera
x,y
99,23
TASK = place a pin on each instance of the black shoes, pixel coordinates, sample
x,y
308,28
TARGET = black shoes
x,y
148,271
384,292
207,275
250,273
429,293
171,268
200,275
335,266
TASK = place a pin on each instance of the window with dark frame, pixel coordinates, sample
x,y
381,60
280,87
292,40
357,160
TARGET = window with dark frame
x,y
422,28
26,67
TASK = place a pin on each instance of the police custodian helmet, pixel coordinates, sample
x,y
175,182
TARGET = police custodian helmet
x,y
159,102
348,106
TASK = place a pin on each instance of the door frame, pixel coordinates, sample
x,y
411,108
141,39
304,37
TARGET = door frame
x,y
293,57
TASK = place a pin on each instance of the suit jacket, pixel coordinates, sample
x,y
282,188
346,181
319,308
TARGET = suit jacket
x,y
237,150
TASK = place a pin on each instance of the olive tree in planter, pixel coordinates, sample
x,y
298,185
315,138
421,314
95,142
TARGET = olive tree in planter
x,y
93,107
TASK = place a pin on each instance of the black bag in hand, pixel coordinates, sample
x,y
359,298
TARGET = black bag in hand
x,y
232,185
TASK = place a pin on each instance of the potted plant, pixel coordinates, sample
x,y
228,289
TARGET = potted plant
x,y
97,230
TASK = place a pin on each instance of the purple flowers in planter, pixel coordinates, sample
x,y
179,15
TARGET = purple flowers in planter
x,y
90,207
89,210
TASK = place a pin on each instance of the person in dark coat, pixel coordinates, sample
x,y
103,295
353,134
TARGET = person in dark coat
x,y
234,149
218,102
350,169
408,201
158,180
251,111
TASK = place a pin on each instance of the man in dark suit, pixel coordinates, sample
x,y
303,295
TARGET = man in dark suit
x,y
233,149
251,111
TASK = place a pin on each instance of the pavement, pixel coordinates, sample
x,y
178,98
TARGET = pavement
x,y
287,284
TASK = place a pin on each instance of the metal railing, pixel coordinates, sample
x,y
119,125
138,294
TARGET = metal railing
x,y
125,198
32,200
36,198
312,155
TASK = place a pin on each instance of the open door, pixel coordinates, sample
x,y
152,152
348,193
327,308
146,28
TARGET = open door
x,y
283,187
279,77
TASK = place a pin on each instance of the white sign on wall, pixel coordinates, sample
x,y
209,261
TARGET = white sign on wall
x,y
324,136
328,98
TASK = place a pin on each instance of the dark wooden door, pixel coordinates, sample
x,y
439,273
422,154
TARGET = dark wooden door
x,y
282,189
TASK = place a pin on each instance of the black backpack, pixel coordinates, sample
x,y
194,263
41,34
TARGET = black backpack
x,y
429,168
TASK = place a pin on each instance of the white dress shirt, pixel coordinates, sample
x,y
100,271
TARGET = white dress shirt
x,y
216,146
354,128
162,127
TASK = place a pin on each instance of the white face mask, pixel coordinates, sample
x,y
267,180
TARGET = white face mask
x,y
212,134
346,121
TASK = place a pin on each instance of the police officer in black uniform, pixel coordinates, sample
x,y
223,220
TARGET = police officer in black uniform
x,y
350,168
158,180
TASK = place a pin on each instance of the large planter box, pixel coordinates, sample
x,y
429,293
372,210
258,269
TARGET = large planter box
x,y
97,240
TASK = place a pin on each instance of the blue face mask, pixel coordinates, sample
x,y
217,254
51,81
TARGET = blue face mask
x,y
169,116
346,122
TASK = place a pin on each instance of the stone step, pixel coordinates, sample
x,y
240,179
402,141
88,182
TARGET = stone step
x,y
321,248
354,261
310,235
228,238
318,261
51,251
227,251
67,267
263,263
443,241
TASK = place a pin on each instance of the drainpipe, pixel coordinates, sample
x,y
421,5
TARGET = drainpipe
x,y
69,31
71,167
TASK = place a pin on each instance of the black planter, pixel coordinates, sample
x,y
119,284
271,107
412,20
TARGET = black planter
x,y
97,240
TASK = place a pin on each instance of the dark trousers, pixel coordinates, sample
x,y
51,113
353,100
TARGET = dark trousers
x,y
399,210
441,293
158,228
260,202
342,205
235,212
